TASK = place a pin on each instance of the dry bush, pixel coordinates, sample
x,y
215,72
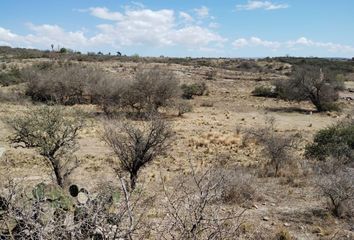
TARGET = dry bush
x,y
183,107
313,84
64,84
338,188
109,93
191,210
237,186
151,89
276,146
53,133
135,145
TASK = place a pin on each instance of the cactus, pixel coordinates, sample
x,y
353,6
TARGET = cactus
x,y
38,192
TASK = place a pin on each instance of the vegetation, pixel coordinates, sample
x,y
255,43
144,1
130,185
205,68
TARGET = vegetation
x,y
135,146
265,91
53,133
277,147
336,141
311,83
195,89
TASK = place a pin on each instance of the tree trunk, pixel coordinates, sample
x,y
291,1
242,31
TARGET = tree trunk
x,y
57,171
133,178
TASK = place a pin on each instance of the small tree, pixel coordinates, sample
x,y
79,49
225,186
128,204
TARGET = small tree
x,y
311,83
135,146
53,133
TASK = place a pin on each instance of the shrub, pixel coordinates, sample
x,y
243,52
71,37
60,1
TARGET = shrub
x,y
135,146
195,89
151,89
276,147
183,107
53,133
265,91
237,187
336,141
108,92
11,77
66,84
311,83
339,189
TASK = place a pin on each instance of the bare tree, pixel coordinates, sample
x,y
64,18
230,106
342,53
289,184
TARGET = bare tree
x,y
191,210
275,145
53,133
311,83
135,146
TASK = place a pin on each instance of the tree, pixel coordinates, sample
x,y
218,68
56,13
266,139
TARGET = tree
x,y
311,83
53,133
135,146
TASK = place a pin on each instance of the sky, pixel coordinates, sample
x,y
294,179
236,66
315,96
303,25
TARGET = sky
x,y
183,28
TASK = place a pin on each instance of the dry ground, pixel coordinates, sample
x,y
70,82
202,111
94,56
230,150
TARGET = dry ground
x,y
211,135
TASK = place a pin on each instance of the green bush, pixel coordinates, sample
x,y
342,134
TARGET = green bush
x,y
336,141
195,89
265,91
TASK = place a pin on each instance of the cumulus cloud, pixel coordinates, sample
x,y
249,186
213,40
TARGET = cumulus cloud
x,y
266,5
131,27
299,43
104,13
202,12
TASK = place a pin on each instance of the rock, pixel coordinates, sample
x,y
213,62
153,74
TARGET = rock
x,y
286,224
272,204
266,219
255,206
2,151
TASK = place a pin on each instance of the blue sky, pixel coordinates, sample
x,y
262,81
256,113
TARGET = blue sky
x,y
234,28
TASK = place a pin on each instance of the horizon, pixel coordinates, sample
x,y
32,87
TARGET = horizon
x,y
233,29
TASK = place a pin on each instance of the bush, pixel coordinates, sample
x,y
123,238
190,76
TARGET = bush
x,y
336,141
276,147
265,91
238,187
183,107
339,189
151,89
195,89
66,84
12,77
311,83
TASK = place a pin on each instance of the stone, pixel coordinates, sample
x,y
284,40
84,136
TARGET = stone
x,y
266,219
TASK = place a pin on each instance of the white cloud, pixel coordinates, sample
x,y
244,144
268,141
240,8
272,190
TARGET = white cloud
x,y
131,27
266,5
186,17
202,12
104,13
292,44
